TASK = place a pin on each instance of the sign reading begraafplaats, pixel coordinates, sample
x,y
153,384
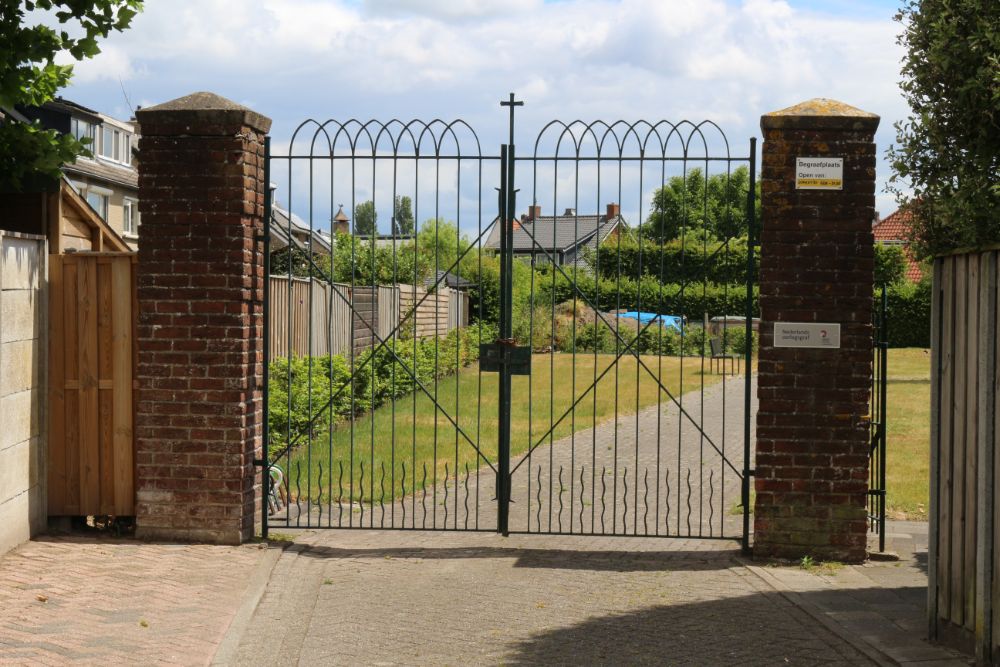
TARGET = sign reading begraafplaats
x,y
807,334
819,173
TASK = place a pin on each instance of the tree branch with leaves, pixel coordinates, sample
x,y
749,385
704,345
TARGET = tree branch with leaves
x,y
30,76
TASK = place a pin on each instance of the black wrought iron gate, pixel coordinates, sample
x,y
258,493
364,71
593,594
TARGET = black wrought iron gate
x,y
505,367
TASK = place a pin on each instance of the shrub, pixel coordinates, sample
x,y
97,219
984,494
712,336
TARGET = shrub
x,y
300,389
908,314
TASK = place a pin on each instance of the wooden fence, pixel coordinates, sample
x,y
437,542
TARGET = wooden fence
x,y
92,358
963,586
376,310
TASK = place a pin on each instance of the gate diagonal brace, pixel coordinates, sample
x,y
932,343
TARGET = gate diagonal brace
x,y
504,352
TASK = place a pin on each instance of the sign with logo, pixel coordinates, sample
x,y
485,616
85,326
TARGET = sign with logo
x,y
819,173
807,334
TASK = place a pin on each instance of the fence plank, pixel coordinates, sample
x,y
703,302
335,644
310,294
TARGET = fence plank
x,y
947,437
123,318
992,413
971,419
105,392
90,455
935,450
985,361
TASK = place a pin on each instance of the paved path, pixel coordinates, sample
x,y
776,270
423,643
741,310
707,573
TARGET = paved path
x,y
419,598
672,469
97,601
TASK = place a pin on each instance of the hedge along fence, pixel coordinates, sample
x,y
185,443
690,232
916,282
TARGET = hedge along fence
x,y
909,314
675,262
650,295
909,305
378,377
719,262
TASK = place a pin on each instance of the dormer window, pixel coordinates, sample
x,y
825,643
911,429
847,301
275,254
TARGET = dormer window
x,y
116,145
81,129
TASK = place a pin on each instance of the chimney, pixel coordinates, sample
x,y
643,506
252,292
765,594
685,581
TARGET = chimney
x,y
524,217
614,210
570,212
534,211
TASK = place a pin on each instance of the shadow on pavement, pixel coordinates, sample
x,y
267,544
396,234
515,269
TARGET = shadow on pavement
x,y
737,630
556,559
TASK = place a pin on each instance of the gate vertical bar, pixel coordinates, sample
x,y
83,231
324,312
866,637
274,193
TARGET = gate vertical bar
x,y
265,480
883,381
506,329
748,376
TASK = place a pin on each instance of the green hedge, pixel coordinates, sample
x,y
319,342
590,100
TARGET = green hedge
x,y
673,262
908,314
378,378
652,340
649,295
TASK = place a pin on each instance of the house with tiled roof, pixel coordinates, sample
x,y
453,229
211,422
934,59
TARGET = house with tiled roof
x,y
560,239
894,229
107,179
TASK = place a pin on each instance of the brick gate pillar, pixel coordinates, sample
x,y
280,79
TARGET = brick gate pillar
x,y
814,375
200,280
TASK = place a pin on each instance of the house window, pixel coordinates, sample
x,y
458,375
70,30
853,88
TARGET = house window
x,y
130,216
108,143
125,154
81,129
98,202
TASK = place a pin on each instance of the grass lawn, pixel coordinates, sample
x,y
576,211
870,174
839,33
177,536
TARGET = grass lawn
x,y
410,434
908,440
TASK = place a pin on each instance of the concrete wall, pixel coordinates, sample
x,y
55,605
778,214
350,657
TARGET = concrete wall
x,y
23,306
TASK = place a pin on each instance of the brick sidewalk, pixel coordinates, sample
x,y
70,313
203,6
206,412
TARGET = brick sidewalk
x,y
91,600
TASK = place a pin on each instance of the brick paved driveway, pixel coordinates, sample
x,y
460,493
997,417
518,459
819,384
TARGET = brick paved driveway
x,y
364,597
83,600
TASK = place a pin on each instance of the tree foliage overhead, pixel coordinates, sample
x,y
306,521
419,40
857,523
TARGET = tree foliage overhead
x,y
947,159
715,204
29,75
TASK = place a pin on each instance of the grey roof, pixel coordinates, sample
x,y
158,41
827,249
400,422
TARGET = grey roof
x,y
557,233
97,168
284,224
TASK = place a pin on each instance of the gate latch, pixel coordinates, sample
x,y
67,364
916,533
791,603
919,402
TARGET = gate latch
x,y
492,356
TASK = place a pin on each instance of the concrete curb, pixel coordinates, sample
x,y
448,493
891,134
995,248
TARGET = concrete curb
x,y
797,599
226,652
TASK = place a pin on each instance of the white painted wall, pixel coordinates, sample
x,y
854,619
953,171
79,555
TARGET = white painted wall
x,y
23,377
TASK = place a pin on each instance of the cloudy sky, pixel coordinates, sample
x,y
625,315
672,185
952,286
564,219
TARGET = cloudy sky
x,y
724,60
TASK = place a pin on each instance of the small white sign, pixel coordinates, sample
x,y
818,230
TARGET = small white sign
x,y
807,334
819,173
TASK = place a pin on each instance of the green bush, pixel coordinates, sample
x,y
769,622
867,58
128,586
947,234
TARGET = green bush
x,y
674,262
648,294
908,314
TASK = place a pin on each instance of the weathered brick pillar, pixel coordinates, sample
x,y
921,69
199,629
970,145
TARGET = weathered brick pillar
x,y
816,276
200,287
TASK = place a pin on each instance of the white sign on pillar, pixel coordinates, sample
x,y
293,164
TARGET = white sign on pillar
x,y
819,173
807,334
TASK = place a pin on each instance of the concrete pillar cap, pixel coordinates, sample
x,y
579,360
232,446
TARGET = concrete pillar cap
x,y
820,113
203,108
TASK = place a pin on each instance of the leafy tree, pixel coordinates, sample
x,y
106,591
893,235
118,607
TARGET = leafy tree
x,y
402,216
948,150
29,76
365,218
694,203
